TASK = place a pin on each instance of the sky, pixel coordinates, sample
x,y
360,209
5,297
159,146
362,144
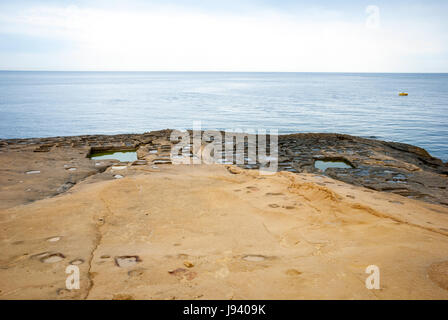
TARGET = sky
x,y
226,35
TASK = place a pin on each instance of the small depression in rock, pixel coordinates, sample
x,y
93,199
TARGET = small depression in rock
x,y
53,239
77,262
122,156
126,261
33,172
254,258
325,164
52,258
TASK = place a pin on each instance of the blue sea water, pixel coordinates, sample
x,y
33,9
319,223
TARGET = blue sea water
x,y
43,104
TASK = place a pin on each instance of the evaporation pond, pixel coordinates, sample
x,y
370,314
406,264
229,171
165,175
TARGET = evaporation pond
x,y
122,156
324,165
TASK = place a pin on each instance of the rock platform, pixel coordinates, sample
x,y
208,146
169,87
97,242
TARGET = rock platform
x,y
32,169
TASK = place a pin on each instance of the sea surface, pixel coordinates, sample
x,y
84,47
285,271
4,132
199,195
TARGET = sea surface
x,y
44,104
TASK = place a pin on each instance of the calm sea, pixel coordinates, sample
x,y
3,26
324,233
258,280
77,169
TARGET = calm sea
x,y
42,104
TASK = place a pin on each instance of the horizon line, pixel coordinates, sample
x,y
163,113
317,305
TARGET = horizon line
x,y
221,71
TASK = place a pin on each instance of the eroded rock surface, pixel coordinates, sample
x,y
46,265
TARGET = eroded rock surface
x,y
213,232
55,165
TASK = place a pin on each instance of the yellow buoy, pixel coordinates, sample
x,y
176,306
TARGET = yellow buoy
x,y
402,94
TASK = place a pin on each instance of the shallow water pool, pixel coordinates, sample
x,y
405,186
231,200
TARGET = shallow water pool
x,y
324,165
122,156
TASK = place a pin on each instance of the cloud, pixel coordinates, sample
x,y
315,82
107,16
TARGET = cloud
x,y
177,39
